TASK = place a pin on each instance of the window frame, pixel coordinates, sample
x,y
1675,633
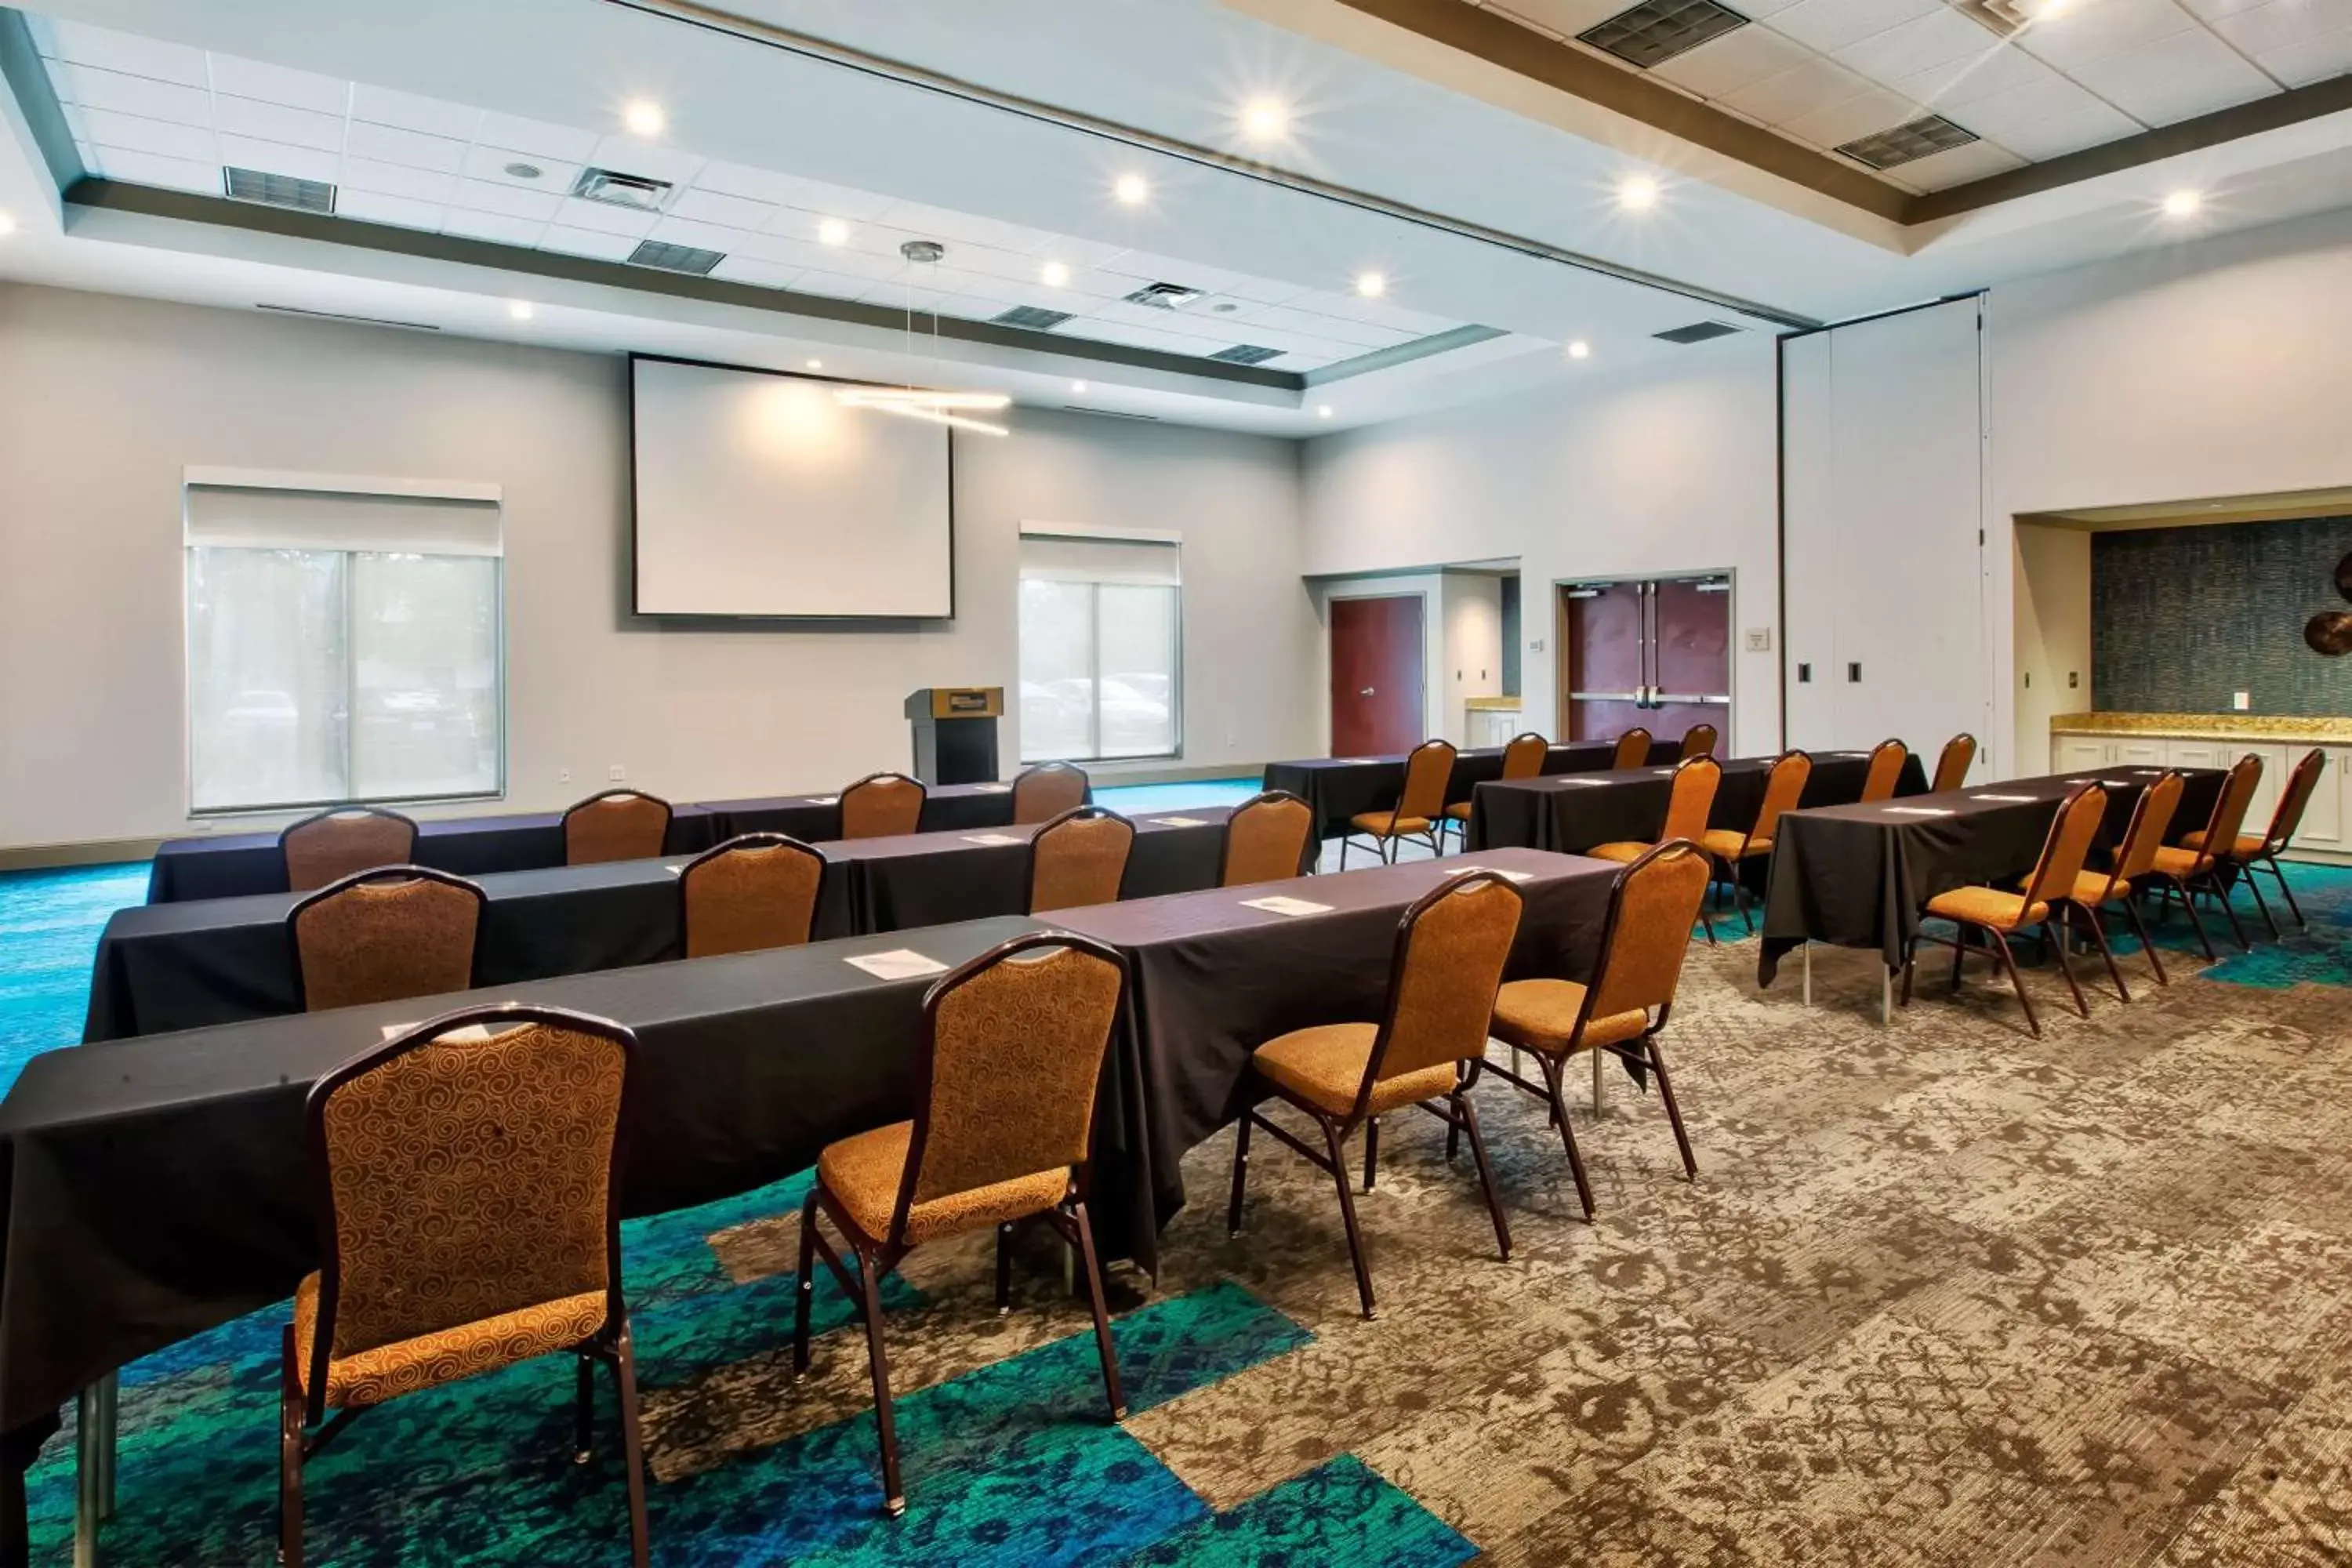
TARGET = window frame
x,y
195,478
1093,594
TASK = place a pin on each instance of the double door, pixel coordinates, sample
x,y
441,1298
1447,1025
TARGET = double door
x,y
1654,652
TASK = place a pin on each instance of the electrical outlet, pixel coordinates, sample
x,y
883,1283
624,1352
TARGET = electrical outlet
x,y
2241,701
617,773
2074,679
1760,639
1536,647
564,775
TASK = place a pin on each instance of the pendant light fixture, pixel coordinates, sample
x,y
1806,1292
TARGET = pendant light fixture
x,y
950,409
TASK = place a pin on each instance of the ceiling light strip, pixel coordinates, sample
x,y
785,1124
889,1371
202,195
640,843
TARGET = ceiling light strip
x,y
711,19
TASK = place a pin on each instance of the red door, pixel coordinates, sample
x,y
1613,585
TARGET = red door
x,y
1655,653
1690,658
1376,675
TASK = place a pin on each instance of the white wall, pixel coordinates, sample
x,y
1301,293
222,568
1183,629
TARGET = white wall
x,y
103,400
1669,473
1473,665
2052,586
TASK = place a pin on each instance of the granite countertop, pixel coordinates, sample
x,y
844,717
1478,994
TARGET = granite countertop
x,y
2218,726
1493,704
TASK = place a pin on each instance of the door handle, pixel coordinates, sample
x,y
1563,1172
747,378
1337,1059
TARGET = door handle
x,y
1366,691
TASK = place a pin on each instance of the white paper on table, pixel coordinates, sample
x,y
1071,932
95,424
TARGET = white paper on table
x,y
991,788
990,838
1583,784
1917,810
1178,822
825,800
1278,905
899,963
1497,870
472,1034
2008,799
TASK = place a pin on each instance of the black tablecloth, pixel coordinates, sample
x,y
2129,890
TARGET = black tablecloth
x,y
948,808
234,865
1213,979
1337,788
1856,876
155,1188
1573,812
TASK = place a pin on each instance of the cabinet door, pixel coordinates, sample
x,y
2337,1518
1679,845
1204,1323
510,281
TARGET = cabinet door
x,y
2266,791
2142,753
2323,819
2195,755
2078,754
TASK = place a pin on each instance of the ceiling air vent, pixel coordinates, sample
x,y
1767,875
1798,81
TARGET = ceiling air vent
x,y
676,258
632,191
1164,296
279,191
1919,138
1248,353
2003,18
1697,333
1657,30
1031,316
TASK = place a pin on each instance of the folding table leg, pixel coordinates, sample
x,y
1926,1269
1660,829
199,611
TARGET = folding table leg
x,y
1600,1086
94,1417
1885,997
1809,973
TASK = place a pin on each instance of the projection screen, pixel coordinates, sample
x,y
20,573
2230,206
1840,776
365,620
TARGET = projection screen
x,y
756,494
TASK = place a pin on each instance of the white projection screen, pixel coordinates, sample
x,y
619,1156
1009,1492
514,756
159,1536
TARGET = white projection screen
x,y
757,495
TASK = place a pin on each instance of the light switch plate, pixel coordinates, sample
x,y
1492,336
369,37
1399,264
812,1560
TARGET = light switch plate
x,y
1760,639
2241,701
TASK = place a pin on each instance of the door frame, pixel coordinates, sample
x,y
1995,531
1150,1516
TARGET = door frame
x,y
1560,635
1370,588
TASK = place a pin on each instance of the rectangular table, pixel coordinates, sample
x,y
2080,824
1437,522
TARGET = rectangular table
x,y
1213,978
1573,812
947,808
1337,788
162,967
1857,875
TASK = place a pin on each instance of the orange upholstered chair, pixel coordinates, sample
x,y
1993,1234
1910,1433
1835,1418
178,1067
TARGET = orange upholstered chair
x,y
1633,749
756,890
1698,741
1042,792
1959,754
335,844
2093,892
385,935
1420,806
2261,852
1886,760
2206,868
1522,759
1733,847
1688,804
618,825
882,805
1266,839
1079,859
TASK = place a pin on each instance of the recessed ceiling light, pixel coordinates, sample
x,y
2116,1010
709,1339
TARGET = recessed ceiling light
x,y
1054,273
832,231
1323,411
519,309
1580,349
522,171
1371,285
7,223
2183,204
1637,193
1266,119
1131,190
644,117
817,364
1077,386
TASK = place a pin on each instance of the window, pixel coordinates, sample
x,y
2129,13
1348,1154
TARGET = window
x,y
344,645
1101,648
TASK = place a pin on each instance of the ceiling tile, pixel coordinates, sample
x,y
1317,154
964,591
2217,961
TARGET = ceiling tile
x,y
587,242
939,223
628,156
2208,10
899,297
511,200
381,106
1723,65
1089,284
751,269
838,285
374,207
1941,37
606,219
1959,166
2081,34
709,206
2020,107
500,227
988,259
396,180
517,134
95,89
275,122
497,165
1785,95
1864,114
707,236
1098,329
277,158
2070,133
1955,84
1834,24
2314,59
135,134
152,169
1565,17
126,52
2175,78
1076,253
278,84
2260,28
789,190
391,144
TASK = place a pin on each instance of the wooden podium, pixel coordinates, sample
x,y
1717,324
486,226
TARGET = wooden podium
x,y
955,732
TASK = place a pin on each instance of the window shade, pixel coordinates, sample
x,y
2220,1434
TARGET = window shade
x,y
237,517
1054,558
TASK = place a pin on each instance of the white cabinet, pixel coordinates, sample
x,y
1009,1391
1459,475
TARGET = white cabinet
x,y
2196,755
2080,753
2327,830
2324,818
2137,754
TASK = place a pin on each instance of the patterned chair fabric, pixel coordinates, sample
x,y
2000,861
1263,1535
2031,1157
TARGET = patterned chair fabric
x,y
337,843
1959,754
618,825
383,935
882,805
1044,792
756,891
1633,749
1689,803
1698,741
1886,760
1079,859
1266,839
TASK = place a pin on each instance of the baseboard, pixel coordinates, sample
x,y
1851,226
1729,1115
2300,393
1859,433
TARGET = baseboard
x,y
99,852
1110,775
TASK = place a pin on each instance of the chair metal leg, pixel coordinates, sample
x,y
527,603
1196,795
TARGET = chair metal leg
x,y
1468,1114
2099,935
289,1461
2261,903
1742,903
2196,921
1092,1268
1673,1111
1347,1214
1004,1268
804,1289
633,1446
2058,944
1554,1071
584,1410
1241,1173
2279,872
2146,944
2008,963
2222,894
894,1491
1959,953
1372,1150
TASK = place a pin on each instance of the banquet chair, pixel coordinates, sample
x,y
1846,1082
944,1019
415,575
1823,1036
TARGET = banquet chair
x,y
1012,1052
334,843
381,935
1698,741
1079,859
1959,754
1266,839
2206,868
1886,760
1420,804
1730,848
2001,914
618,825
1450,950
757,890
1523,758
882,805
1689,801
2151,818
466,1181
1042,792
1652,906
1632,750
2253,851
